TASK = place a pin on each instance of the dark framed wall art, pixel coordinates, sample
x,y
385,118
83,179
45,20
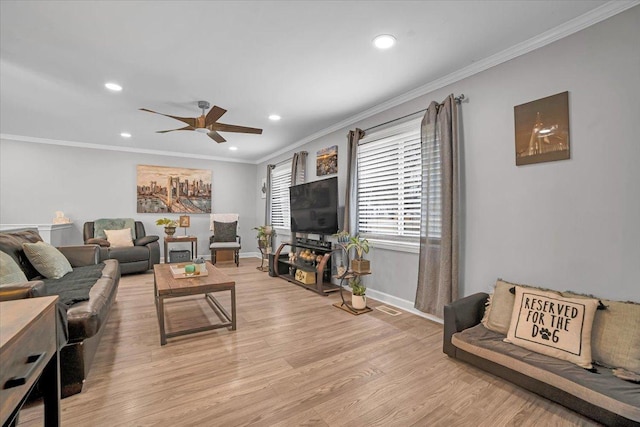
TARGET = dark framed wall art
x,y
542,130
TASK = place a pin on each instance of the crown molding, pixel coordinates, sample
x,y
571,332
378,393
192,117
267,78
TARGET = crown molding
x,y
579,23
20,138
588,19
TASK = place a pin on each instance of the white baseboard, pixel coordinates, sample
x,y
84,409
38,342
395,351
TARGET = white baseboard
x,y
401,304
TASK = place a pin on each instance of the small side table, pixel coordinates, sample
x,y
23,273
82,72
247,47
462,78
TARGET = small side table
x,y
171,239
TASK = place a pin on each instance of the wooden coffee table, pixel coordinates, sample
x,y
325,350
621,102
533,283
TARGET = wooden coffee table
x,y
166,286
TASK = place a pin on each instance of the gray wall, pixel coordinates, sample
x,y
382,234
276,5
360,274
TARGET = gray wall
x,y
570,224
39,179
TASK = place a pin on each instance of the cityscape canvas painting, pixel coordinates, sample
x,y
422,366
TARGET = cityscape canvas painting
x,y
542,130
327,161
174,190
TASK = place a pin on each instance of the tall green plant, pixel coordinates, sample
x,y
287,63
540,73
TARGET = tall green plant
x,y
360,245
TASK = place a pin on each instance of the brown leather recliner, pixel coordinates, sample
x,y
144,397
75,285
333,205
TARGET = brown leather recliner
x,y
140,257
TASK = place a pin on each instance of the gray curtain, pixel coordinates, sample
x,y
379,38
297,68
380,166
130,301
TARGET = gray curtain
x,y
438,267
298,168
350,223
267,204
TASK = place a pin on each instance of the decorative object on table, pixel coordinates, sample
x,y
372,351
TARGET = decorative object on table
x,y
60,218
178,190
185,271
169,225
358,290
185,222
200,264
306,277
327,161
361,246
542,130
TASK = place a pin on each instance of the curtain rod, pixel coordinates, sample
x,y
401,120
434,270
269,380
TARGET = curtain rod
x,y
458,100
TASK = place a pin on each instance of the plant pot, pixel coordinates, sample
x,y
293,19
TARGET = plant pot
x,y
359,302
360,265
170,231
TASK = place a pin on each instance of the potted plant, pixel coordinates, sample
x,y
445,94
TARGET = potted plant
x,y
358,289
265,234
169,225
361,246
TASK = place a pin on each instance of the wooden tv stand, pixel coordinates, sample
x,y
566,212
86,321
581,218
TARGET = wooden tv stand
x,y
287,270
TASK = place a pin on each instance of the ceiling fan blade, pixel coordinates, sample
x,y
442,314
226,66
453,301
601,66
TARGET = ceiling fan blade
x,y
213,115
222,127
188,120
171,130
216,136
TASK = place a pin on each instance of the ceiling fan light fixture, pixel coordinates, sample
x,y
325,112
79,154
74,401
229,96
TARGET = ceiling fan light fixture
x,y
384,41
125,134
233,148
274,117
114,87
202,130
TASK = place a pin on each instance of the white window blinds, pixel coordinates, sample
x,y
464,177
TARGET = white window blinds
x,y
389,183
280,183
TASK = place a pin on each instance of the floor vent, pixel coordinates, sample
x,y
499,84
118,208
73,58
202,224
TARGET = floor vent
x,y
388,310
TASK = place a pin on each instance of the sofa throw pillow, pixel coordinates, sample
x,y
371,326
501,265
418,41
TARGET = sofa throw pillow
x,y
119,238
10,271
497,315
48,260
615,340
548,323
100,225
225,231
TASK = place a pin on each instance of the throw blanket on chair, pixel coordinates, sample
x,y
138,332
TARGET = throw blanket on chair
x,y
99,225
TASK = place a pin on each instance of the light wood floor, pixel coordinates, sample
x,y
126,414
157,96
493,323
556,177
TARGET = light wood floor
x,y
294,360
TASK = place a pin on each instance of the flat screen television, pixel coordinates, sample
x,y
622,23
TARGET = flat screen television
x,y
314,207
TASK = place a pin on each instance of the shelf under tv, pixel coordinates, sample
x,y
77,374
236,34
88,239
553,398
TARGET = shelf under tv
x,y
321,271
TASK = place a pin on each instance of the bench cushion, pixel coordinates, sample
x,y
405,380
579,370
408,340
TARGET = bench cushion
x,y
601,389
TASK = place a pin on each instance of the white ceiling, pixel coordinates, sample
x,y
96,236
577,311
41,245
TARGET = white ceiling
x,y
311,62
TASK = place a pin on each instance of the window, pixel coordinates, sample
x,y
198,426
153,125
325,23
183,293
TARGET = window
x,y
280,183
389,184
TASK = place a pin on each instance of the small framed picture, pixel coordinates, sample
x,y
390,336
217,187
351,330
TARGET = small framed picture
x,y
542,130
184,221
327,161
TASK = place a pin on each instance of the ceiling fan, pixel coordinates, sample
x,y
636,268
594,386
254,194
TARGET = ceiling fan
x,y
208,123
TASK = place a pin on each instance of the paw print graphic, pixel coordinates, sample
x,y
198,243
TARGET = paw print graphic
x,y
545,334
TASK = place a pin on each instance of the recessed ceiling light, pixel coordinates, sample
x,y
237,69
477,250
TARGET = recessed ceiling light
x,y
384,41
125,135
274,117
233,148
113,86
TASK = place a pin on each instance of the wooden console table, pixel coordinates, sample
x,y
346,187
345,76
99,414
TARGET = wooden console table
x,y
170,239
28,351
